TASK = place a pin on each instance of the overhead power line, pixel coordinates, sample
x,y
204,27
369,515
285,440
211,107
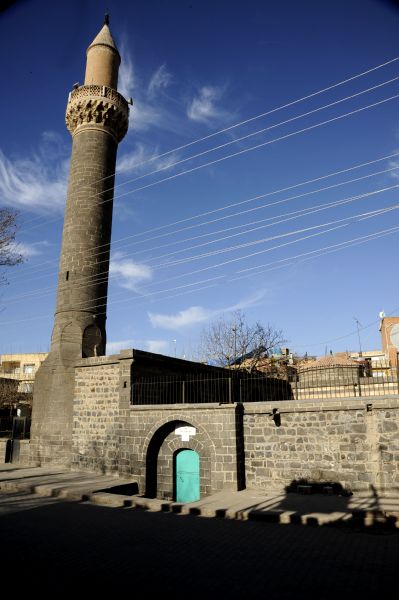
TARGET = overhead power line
x,y
247,136
256,147
252,119
370,237
263,114
98,278
254,198
315,253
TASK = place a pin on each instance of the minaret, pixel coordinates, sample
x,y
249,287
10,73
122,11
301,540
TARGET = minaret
x,y
97,118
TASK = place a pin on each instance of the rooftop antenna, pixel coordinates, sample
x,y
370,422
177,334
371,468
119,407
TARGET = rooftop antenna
x,y
358,325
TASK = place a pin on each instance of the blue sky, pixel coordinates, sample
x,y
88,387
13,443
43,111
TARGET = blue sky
x,y
193,240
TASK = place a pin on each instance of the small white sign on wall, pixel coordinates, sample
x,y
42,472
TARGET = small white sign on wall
x,y
185,432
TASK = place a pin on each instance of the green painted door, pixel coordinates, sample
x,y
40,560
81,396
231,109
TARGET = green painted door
x,y
187,476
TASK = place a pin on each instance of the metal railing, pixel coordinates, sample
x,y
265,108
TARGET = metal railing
x,y
197,388
343,381
272,385
191,389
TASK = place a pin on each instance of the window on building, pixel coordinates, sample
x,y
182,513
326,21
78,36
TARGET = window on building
x,y
11,367
29,368
27,388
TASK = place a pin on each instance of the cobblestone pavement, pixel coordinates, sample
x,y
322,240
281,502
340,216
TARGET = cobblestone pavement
x,y
51,547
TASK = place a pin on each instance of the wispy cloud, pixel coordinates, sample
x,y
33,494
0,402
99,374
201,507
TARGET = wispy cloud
x,y
189,316
159,81
126,73
198,314
157,346
394,163
141,158
127,273
38,182
28,250
143,114
146,112
203,107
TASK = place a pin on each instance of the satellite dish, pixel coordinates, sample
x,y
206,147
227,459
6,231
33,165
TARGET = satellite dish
x,y
382,315
395,336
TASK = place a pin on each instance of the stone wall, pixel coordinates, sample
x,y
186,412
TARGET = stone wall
x,y
95,441
148,444
351,442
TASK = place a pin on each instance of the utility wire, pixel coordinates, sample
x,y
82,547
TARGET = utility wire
x,y
268,239
100,278
240,213
370,237
264,114
250,149
247,136
312,253
256,147
296,214
287,217
252,199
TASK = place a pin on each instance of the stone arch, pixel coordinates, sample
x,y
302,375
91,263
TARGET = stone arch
x,y
70,343
186,418
92,341
160,448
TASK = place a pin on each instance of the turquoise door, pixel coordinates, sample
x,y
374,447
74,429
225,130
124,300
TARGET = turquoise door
x,y
187,476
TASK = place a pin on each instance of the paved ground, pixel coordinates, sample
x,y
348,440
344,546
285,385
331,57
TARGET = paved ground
x,y
313,509
53,546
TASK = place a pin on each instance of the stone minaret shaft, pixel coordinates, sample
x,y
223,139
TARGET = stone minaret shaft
x,y
97,118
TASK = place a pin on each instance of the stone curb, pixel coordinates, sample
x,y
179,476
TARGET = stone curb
x,y
356,518
79,492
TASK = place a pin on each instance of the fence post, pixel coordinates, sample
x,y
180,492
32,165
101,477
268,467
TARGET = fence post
x,y
230,394
358,381
183,391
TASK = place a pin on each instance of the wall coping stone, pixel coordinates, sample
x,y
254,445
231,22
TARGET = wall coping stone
x,y
284,406
182,407
324,405
97,361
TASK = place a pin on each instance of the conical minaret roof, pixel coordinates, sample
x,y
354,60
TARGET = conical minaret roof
x,y
104,38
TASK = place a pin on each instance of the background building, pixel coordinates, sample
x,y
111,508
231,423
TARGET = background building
x,y
389,328
21,368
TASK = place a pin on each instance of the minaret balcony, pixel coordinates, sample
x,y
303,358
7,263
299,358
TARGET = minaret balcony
x,y
100,106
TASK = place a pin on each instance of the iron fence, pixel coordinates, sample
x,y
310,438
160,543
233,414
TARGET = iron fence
x,y
343,381
182,389
275,384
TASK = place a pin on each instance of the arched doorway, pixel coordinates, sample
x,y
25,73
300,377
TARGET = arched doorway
x,y
187,475
163,448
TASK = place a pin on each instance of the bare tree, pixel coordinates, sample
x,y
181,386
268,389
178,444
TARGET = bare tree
x,y
9,255
234,342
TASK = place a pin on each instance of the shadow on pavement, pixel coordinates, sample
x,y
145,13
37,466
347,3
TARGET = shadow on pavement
x,y
65,545
304,503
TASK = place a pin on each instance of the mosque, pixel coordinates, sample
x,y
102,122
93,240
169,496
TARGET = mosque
x,y
89,411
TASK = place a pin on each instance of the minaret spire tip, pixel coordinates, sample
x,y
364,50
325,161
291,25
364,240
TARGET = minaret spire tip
x,y
106,19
